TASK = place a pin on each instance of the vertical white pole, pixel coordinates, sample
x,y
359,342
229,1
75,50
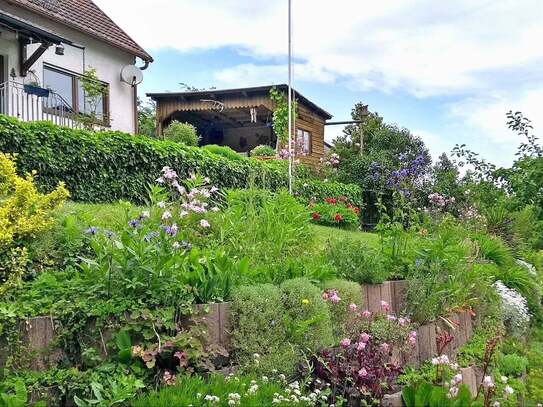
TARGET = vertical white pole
x,y
290,158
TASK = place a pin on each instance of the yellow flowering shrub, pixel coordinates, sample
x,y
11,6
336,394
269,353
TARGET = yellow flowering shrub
x,y
24,212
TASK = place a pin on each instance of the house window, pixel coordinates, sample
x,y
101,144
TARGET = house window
x,y
304,141
69,88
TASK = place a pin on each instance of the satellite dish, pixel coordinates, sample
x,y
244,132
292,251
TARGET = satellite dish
x,y
132,75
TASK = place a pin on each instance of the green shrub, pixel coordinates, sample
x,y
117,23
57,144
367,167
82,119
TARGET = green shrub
x,y
318,191
265,229
258,329
512,365
350,293
492,248
307,318
181,133
263,151
224,151
356,262
108,166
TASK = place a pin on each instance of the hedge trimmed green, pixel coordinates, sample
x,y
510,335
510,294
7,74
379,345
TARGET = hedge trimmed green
x,y
108,166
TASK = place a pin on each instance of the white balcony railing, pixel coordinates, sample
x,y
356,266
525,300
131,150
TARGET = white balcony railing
x,y
28,104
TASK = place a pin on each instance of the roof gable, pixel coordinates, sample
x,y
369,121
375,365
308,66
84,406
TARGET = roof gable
x,y
87,17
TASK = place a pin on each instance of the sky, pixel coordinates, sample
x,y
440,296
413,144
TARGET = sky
x,y
446,70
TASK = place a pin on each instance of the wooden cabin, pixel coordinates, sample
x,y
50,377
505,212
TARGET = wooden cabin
x,y
242,118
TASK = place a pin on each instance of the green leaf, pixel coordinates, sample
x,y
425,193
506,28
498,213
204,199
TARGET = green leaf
x,y
408,396
122,339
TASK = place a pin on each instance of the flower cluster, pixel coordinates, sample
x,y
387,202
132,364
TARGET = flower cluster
x,y
439,200
514,307
331,161
410,173
335,212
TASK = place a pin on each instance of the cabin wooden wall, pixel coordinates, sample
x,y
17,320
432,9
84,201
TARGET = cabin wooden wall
x,y
309,121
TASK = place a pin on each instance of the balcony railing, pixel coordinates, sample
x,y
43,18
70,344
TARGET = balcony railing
x,y
35,104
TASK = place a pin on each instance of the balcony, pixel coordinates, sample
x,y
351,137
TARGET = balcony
x,y
29,103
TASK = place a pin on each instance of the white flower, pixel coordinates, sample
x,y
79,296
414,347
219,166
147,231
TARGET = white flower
x,y
504,379
514,307
204,223
145,214
161,204
215,209
176,245
508,390
488,383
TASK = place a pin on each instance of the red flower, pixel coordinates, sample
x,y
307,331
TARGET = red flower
x,y
338,217
356,210
343,199
315,216
331,201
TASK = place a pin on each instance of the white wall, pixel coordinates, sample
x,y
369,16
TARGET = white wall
x,y
89,52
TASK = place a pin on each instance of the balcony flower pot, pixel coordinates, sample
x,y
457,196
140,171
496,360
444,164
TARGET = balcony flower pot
x,y
36,90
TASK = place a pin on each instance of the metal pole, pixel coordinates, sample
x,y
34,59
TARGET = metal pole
x,y
290,158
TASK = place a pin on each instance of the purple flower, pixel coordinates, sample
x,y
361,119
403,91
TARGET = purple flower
x,y
109,234
134,223
345,343
92,230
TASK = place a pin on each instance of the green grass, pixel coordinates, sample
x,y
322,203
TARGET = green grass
x,y
325,233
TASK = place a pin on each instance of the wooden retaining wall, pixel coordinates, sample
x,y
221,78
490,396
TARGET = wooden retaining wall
x,y
39,333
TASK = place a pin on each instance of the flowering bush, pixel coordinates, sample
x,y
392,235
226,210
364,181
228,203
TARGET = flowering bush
x,y
366,364
335,212
24,213
151,256
515,313
341,312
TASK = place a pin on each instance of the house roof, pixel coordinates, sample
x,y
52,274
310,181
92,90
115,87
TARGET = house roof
x,y
87,17
239,92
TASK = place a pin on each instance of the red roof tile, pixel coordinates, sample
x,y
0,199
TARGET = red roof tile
x,y
87,17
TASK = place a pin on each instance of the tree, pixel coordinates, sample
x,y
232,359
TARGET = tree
x,y
146,118
93,92
181,133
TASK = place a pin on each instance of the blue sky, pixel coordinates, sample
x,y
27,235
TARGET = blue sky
x,y
448,71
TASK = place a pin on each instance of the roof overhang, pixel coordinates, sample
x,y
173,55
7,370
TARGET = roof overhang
x,y
30,30
241,92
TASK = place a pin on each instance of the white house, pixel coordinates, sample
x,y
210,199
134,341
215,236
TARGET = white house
x,y
46,45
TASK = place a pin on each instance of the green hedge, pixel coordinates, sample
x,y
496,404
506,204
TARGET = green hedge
x,y
319,190
108,166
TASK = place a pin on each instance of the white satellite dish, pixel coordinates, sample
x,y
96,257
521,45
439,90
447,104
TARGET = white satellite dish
x,y
132,75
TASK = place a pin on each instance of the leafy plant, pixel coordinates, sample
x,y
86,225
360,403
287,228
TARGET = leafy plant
x,y
94,92
426,395
117,391
263,151
224,151
184,133
17,398
356,262
512,365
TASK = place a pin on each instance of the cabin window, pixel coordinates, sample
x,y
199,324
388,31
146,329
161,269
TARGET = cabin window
x,y
304,141
69,87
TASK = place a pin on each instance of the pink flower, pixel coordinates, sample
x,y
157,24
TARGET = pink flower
x,y
391,318
366,314
385,347
204,223
335,298
361,346
353,307
345,343
385,306
362,372
364,337
403,321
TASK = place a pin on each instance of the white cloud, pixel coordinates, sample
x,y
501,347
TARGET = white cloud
x,y
418,46
485,115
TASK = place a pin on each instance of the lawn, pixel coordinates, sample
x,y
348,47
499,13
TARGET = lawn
x,y
325,233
